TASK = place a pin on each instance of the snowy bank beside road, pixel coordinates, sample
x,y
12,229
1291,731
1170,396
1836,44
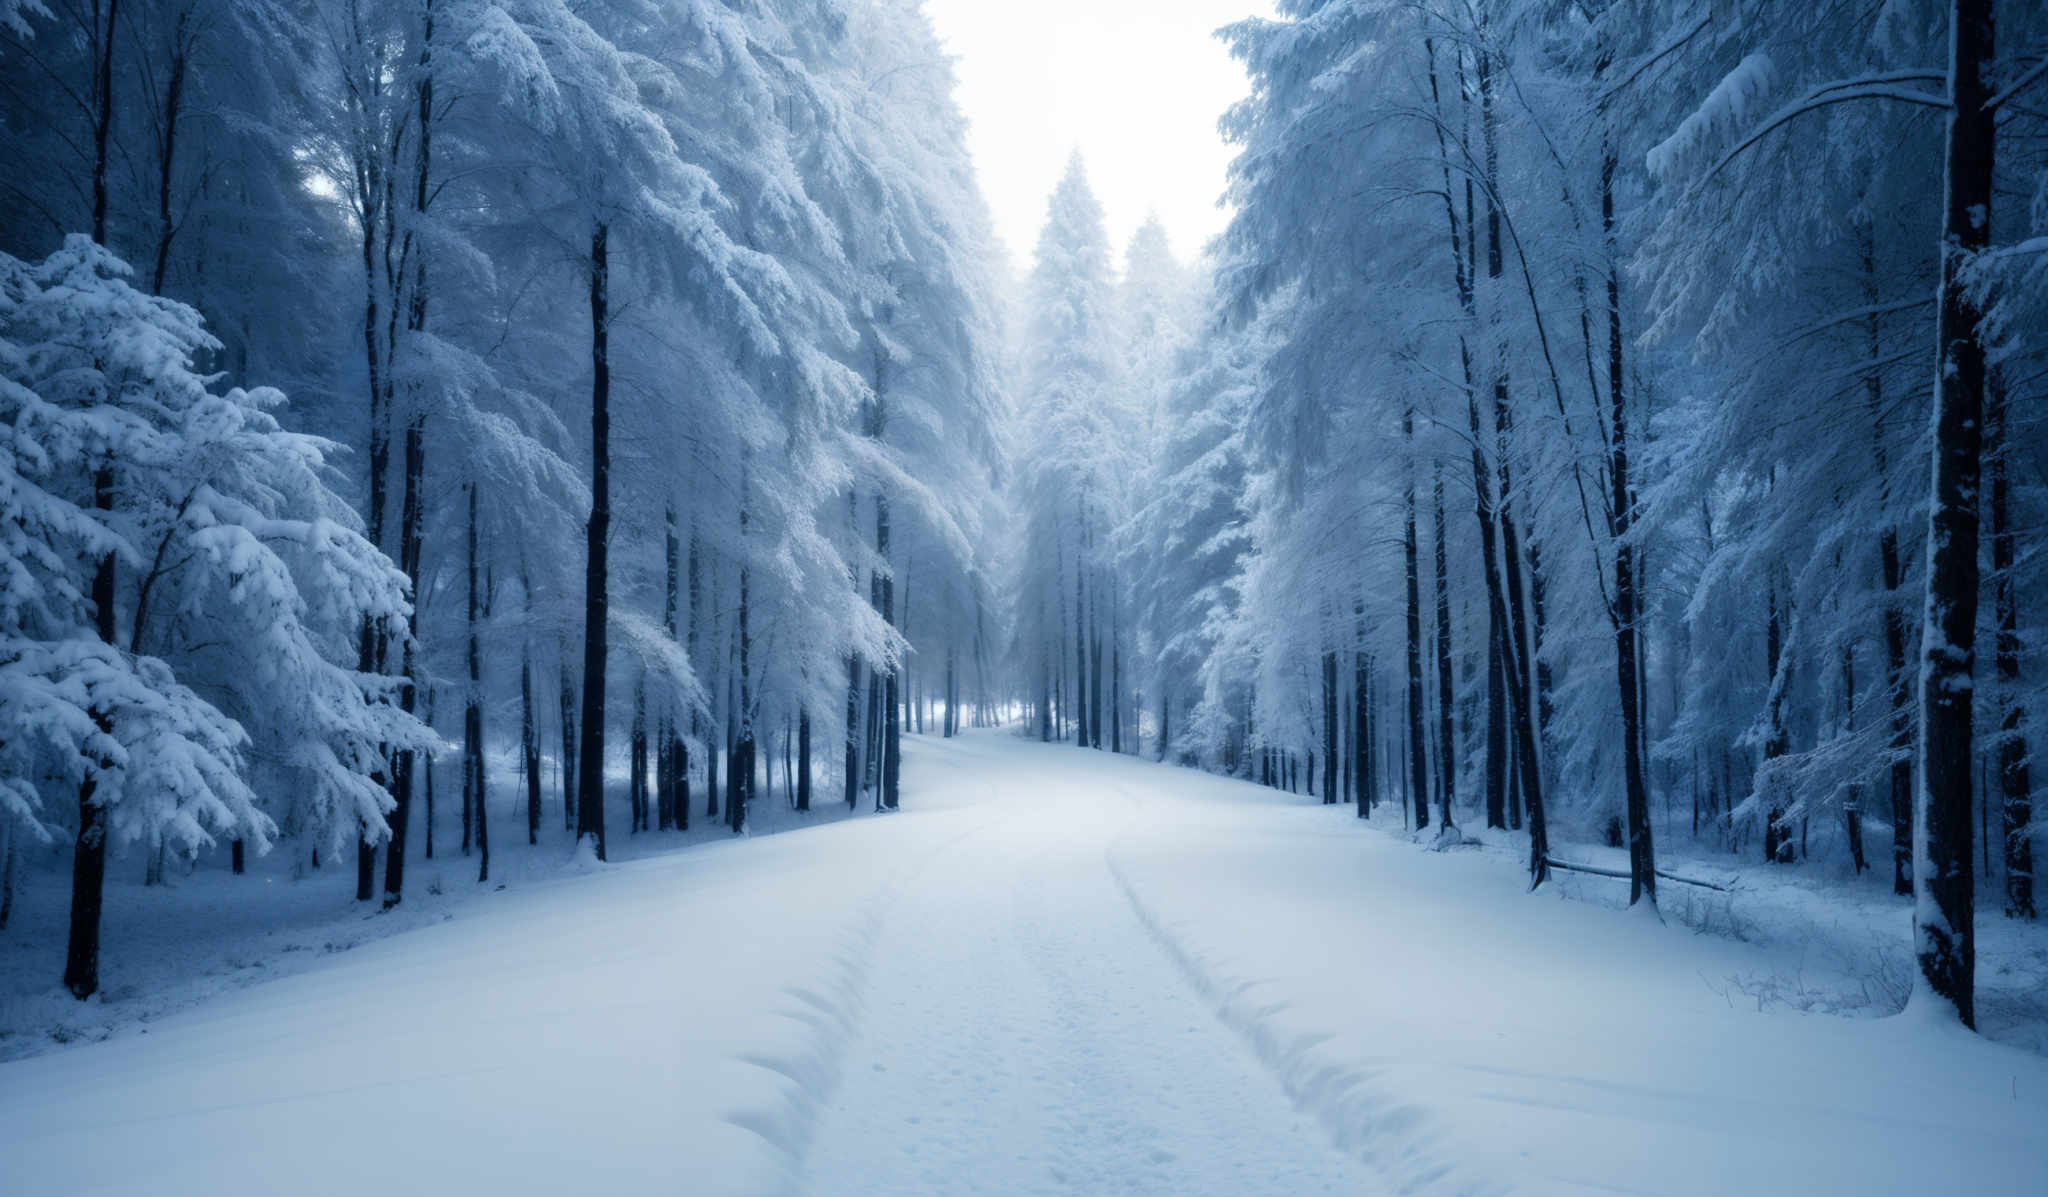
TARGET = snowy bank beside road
x,y
608,1033
1464,1035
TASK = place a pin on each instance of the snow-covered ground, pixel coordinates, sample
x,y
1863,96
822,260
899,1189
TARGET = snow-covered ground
x,y
1055,971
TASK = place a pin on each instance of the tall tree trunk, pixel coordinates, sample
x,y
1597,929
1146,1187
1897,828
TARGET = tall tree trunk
x,y
596,596
1080,636
89,856
1418,757
803,758
1777,843
1943,877
529,726
1898,682
412,514
1361,711
1330,778
1642,856
892,731
740,782
1496,723
636,759
473,706
675,793
1852,805
173,108
572,771
2014,783
1446,690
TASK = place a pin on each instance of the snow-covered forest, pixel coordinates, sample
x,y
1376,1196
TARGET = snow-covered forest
x,y
457,445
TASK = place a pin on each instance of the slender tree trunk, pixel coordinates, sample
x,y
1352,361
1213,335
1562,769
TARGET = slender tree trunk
x,y
892,732
803,759
9,855
1330,794
596,596
529,731
1642,857
740,783
1852,805
1446,690
1777,845
89,857
636,759
427,779
473,706
1418,757
676,786
412,514
1898,682
572,772
173,109
2014,783
1361,711
1080,638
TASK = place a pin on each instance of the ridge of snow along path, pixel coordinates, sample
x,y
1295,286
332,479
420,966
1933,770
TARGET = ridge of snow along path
x,y
1056,972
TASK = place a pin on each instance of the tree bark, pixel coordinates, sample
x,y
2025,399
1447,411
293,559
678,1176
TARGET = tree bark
x,y
1418,758
1943,876
473,712
1446,690
596,598
1642,856
2014,782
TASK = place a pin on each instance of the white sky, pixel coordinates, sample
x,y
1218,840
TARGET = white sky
x,y
1137,85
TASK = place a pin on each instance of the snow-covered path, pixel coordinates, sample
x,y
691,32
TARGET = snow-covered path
x,y
1025,1034
1054,972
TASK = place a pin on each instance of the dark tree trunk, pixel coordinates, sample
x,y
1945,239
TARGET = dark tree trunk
x,y
596,597
2014,783
1642,856
1418,758
1081,646
892,731
1116,690
1446,691
1777,843
1330,726
803,759
1545,707
1898,683
571,768
1496,724
675,783
473,709
412,514
427,779
103,117
636,760
1944,881
1361,712
740,779
1852,805
89,857
173,108
529,738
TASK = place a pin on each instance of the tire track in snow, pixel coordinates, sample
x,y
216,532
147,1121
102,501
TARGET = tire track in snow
x,y
1363,1115
831,1016
1026,1038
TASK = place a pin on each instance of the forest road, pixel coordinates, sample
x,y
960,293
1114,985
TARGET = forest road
x,y
1024,1033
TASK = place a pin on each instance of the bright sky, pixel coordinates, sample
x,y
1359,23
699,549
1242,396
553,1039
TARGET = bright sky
x,y
1137,85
